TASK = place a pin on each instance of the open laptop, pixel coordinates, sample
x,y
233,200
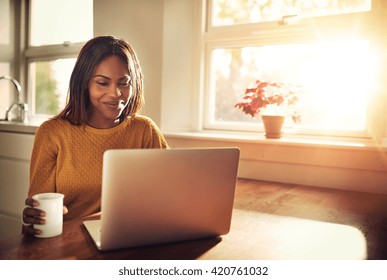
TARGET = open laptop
x,y
153,196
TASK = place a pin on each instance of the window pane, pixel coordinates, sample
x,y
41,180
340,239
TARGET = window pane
x,y
57,21
229,12
50,81
7,90
4,22
336,78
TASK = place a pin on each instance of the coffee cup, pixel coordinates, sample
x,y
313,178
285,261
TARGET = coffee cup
x,y
52,205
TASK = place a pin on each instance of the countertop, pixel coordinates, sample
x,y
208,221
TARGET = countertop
x,y
28,127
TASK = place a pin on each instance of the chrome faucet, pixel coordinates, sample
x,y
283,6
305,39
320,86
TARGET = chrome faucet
x,y
20,107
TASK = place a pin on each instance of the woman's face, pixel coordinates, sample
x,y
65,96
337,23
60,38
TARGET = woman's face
x,y
110,90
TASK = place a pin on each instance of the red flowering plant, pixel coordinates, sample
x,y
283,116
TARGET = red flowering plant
x,y
270,99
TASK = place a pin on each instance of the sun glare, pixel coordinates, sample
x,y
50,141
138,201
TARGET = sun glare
x,y
302,239
340,80
337,78
73,22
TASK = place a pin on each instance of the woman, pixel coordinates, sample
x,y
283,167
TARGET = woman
x,y
105,95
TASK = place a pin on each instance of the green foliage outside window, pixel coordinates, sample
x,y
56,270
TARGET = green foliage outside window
x,y
46,98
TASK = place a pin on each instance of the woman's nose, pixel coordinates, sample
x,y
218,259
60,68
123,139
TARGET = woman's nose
x,y
115,91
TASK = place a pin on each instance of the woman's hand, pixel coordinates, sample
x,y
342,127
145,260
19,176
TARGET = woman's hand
x,y
32,216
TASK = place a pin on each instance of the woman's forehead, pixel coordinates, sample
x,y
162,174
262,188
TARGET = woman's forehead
x,y
112,67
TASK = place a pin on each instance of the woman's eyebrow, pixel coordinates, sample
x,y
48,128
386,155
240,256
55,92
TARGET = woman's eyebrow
x,y
102,76
105,77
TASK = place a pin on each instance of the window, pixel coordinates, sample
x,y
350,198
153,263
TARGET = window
x,y
252,11
328,47
50,81
6,55
4,22
57,30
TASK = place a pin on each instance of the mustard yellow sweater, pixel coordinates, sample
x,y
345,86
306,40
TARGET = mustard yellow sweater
x,y
68,158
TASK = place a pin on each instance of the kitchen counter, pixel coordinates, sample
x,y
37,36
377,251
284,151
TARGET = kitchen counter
x,y
16,144
28,127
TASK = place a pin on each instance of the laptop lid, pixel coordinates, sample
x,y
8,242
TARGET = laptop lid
x,y
152,196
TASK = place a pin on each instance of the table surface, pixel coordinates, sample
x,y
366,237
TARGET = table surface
x,y
270,221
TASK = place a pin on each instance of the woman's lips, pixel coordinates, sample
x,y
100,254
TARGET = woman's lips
x,y
113,104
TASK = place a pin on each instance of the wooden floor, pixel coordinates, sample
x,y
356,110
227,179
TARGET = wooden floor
x,y
365,211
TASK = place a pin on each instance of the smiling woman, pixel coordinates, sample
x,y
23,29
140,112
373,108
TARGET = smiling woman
x,y
107,70
106,94
110,92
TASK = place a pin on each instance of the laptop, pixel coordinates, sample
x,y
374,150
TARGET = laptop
x,y
153,196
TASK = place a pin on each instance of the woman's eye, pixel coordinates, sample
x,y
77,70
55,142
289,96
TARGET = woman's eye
x,y
124,84
102,83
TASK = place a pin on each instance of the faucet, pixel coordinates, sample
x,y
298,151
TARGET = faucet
x,y
21,108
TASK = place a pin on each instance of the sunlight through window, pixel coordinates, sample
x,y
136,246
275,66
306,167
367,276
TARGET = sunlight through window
x,y
230,12
337,78
335,64
56,22
51,84
57,31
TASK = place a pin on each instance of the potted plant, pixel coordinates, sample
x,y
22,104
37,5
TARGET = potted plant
x,y
272,101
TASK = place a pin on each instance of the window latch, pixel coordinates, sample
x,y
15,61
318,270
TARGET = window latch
x,y
285,20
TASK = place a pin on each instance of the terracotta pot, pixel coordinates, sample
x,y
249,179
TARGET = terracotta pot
x,y
273,126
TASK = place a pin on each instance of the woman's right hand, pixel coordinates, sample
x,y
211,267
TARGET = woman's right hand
x,y
32,216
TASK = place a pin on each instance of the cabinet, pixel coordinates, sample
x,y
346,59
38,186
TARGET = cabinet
x,y
15,154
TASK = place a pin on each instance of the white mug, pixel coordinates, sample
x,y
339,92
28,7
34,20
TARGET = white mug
x,y
52,204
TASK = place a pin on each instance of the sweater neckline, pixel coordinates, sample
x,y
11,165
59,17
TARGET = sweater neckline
x,y
107,131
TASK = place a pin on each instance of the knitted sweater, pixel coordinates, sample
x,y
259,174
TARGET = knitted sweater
x,y
68,159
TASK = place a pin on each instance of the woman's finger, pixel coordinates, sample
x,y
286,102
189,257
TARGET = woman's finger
x,y
33,212
32,216
65,210
31,230
31,202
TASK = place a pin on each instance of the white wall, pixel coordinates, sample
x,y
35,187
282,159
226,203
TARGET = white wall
x,y
179,98
141,24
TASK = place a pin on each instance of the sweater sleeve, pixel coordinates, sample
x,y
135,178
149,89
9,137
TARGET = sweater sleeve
x,y
43,162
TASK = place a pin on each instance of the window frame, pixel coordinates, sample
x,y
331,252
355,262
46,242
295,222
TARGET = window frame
x,y
7,54
257,34
42,53
45,53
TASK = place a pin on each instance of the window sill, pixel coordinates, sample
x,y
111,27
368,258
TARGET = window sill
x,y
286,140
349,164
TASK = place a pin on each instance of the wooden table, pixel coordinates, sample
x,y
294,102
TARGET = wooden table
x,y
270,221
